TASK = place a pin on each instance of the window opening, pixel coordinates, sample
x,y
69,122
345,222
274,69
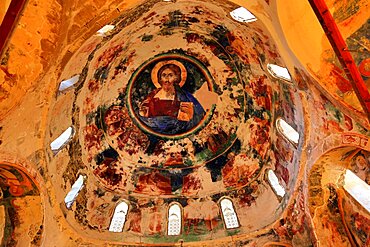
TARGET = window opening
x,y
229,215
62,140
287,131
275,184
73,193
357,188
241,14
279,72
174,220
119,217
68,83
107,28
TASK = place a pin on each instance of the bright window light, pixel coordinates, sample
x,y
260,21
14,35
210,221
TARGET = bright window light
x,y
73,193
174,220
286,130
230,218
119,217
242,15
358,189
107,28
61,140
279,72
274,182
68,83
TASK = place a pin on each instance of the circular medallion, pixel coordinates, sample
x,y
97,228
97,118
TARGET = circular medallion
x,y
167,96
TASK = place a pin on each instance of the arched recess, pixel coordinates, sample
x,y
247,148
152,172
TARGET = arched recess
x,y
119,217
174,219
228,213
21,207
336,215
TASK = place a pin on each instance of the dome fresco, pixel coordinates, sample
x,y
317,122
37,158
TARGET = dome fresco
x,y
181,123
213,137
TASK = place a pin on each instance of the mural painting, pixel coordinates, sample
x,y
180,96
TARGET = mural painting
x,y
169,109
327,216
357,220
295,225
21,202
186,123
357,41
360,165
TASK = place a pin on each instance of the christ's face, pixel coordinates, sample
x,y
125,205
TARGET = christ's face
x,y
167,79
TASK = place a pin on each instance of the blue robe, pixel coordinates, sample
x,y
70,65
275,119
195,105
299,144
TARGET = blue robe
x,y
170,125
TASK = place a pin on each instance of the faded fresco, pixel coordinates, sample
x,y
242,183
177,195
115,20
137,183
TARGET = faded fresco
x,y
357,220
360,165
357,40
339,218
187,122
19,199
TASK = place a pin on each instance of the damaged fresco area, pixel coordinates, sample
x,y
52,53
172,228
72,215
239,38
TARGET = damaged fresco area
x,y
295,226
187,122
190,131
360,165
336,214
357,40
20,208
357,220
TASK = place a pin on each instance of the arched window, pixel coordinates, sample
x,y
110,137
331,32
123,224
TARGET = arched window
x,y
106,29
73,193
275,184
62,140
279,72
287,131
119,217
229,215
357,188
242,15
68,83
174,220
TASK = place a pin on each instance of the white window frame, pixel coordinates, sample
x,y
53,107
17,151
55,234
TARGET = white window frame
x,y
241,14
275,184
68,83
229,209
119,217
74,191
62,140
288,132
279,72
174,213
105,30
357,188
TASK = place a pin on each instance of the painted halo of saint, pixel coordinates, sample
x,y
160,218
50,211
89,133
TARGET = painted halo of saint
x,y
169,109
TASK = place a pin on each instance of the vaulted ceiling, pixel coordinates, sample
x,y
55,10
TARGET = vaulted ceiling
x,y
217,137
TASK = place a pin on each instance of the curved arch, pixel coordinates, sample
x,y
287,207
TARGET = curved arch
x,y
327,194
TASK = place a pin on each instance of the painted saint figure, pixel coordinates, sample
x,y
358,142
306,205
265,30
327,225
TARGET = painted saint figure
x,y
169,109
